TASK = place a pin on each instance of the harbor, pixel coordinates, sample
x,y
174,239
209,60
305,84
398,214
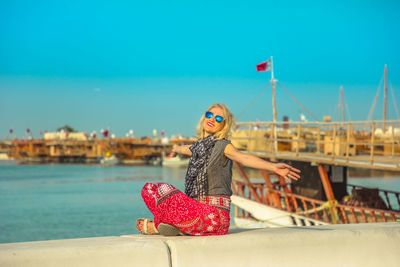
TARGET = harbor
x,y
324,205
127,151
183,133
362,144
323,150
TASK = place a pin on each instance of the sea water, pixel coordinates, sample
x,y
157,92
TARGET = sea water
x,y
45,202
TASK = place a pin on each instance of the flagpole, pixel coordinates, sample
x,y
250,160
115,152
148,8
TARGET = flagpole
x,y
272,68
385,99
274,113
273,92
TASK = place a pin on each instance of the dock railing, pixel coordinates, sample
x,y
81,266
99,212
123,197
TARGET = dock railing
x,y
369,144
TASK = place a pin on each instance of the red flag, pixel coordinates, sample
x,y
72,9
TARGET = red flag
x,y
264,66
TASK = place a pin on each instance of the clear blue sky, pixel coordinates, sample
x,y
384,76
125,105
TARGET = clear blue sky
x,y
146,65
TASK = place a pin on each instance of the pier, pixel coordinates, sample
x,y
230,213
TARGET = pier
x,y
360,144
322,151
88,150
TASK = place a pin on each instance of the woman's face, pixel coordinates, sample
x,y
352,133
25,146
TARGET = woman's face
x,y
210,125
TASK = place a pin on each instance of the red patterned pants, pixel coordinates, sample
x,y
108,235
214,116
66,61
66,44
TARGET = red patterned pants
x,y
204,216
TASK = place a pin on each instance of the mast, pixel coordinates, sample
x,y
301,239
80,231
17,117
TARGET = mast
x,y
342,99
274,112
385,99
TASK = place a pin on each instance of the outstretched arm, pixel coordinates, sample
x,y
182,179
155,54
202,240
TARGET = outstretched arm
x,y
184,149
252,161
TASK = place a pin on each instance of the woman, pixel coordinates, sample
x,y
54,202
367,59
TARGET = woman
x,y
204,208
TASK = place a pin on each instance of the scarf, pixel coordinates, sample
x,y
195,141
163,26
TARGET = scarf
x,y
196,180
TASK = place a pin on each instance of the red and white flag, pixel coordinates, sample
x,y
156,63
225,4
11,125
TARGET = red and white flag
x,y
264,66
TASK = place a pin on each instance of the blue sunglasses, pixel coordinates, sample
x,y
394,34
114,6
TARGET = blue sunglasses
x,y
218,118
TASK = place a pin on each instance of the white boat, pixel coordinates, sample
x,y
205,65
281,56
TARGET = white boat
x,y
175,162
109,160
4,156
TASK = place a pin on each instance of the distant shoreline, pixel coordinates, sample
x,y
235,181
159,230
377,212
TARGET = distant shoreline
x,y
352,172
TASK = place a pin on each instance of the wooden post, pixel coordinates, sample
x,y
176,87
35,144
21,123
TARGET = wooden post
x,y
318,139
372,142
250,133
273,135
328,192
348,142
334,141
234,188
271,196
298,139
393,140
267,180
248,183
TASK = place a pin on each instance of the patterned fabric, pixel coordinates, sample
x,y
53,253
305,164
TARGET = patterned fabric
x,y
222,202
196,181
169,205
164,191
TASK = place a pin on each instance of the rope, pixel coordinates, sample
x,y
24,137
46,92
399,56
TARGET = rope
x,y
348,112
297,102
342,106
252,102
330,206
394,102
337,109
326,205
371,111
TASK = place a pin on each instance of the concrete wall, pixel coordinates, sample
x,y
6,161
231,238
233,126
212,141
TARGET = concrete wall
x,y
339,245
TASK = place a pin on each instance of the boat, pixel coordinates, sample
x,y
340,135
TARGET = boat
x,y
175,162
109,160
155,161
4,156
323,151
323,196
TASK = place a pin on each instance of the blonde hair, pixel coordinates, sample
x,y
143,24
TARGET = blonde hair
x,y
225,132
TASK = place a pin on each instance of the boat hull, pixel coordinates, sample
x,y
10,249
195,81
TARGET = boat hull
x,y
266,216
175,162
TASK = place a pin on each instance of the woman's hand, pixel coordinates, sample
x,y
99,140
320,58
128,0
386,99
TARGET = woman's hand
x,y
286,171
183,149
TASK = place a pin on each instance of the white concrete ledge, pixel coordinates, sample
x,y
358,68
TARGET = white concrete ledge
x,y
343,245
100,251
329,245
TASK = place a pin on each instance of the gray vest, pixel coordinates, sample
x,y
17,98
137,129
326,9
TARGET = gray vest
x,y
219,170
